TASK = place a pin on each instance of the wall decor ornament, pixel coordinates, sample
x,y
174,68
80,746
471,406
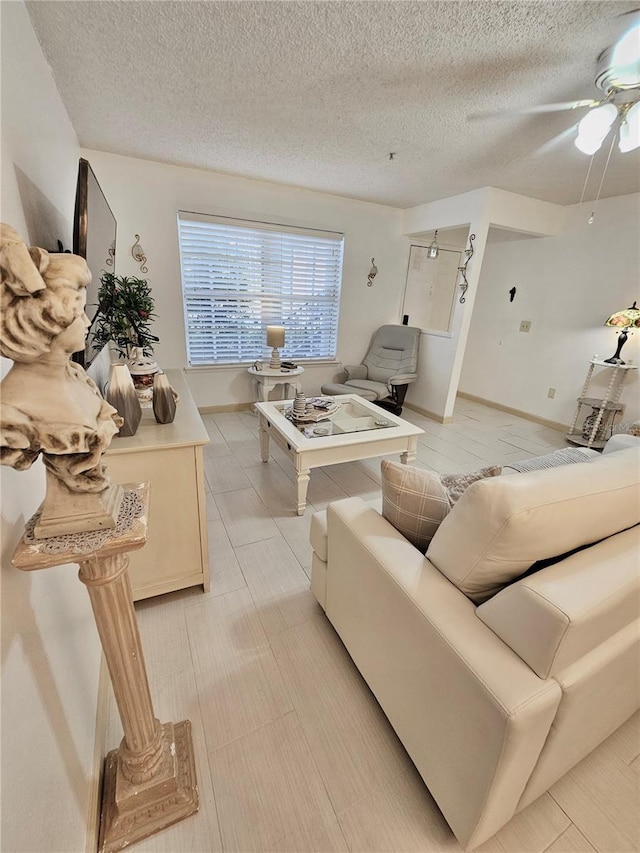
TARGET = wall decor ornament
x,y
49,406
373,272
112,254
462,269
138,255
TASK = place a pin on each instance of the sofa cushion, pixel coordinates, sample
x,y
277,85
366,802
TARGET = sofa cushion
x,y
415,500
556,616
503,525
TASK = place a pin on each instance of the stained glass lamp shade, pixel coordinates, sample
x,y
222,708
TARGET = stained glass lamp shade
x,y
628,319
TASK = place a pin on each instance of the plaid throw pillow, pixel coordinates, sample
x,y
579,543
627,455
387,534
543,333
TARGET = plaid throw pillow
x,y
415,500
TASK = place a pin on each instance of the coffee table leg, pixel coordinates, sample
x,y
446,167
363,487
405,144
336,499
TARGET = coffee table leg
x,y
409,456
302,478
263,434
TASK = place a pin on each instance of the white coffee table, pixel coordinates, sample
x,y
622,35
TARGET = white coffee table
x,y
359,430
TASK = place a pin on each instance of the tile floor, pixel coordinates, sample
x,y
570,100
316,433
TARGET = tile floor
x,y
293,753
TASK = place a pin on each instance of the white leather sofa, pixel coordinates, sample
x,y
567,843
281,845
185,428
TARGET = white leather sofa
x,y
495,686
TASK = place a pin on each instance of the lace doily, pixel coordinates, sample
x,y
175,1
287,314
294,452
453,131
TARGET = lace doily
x,y
131,508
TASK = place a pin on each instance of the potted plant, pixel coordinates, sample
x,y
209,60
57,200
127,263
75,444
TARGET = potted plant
x,y
124,316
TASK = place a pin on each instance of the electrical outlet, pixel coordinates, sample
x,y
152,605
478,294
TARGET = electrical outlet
x,y
525,326
551,393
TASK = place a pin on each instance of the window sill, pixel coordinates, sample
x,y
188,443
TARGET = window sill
x,y
245,365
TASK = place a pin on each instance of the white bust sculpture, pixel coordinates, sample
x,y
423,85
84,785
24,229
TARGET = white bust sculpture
x,y
48,404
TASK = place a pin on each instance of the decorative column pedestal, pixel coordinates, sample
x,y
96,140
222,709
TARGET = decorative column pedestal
x,y
150,780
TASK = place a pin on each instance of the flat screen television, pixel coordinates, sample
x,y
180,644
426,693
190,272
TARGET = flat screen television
x,y
94,239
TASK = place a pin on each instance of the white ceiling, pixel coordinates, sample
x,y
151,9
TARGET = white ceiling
x,y
316,94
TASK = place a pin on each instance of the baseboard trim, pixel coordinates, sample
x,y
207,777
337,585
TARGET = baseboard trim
x,y
230,407
427,414
97,766
527,415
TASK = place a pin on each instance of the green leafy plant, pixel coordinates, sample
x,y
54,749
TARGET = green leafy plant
x,y
124,316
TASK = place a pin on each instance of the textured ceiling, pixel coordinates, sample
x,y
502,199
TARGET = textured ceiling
x,y
316,94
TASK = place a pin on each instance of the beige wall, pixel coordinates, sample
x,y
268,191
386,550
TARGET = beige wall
x,y
50,649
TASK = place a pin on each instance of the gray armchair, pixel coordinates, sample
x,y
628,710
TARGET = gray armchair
x,y
388,367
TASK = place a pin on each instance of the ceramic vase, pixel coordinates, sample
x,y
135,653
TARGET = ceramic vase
x,y
164,402
143,370
122,396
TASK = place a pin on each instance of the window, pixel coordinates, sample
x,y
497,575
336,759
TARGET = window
x,y
239,277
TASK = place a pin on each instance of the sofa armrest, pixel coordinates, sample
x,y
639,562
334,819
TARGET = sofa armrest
x,y
471,714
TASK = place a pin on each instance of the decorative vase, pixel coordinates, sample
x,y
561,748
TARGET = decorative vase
x,y
122,396
590,422
299,405
164,401
143,371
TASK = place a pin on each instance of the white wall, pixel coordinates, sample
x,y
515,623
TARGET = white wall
x,y
145,198
50,649
567,286
441,356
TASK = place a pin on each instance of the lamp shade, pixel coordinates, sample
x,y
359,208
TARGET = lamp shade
x,y
275,336
626,318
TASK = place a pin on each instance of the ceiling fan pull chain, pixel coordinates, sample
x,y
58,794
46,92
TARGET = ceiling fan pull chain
x,y
606,166
586,180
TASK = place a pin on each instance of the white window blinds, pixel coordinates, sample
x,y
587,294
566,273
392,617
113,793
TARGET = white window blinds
x,y
239,277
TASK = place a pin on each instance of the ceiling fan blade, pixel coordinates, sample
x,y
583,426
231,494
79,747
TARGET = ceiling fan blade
x,y
555,142
629,12
538,108
624,57
561,106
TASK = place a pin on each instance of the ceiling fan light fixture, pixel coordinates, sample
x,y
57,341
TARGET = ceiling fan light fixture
x,y
434,249
594,127
630,130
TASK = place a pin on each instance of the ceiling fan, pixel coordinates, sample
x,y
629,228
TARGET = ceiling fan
x,y
618,75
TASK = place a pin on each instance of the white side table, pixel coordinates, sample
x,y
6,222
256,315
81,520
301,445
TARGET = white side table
x,y
266,379
598,426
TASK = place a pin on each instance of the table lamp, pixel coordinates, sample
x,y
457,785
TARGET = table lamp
x,y
629,318
275,340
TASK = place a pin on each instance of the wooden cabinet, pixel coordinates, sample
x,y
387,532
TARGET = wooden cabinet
x,y
597,424
169,458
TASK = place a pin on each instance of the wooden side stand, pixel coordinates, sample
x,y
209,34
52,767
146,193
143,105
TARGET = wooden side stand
x,y
150,780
